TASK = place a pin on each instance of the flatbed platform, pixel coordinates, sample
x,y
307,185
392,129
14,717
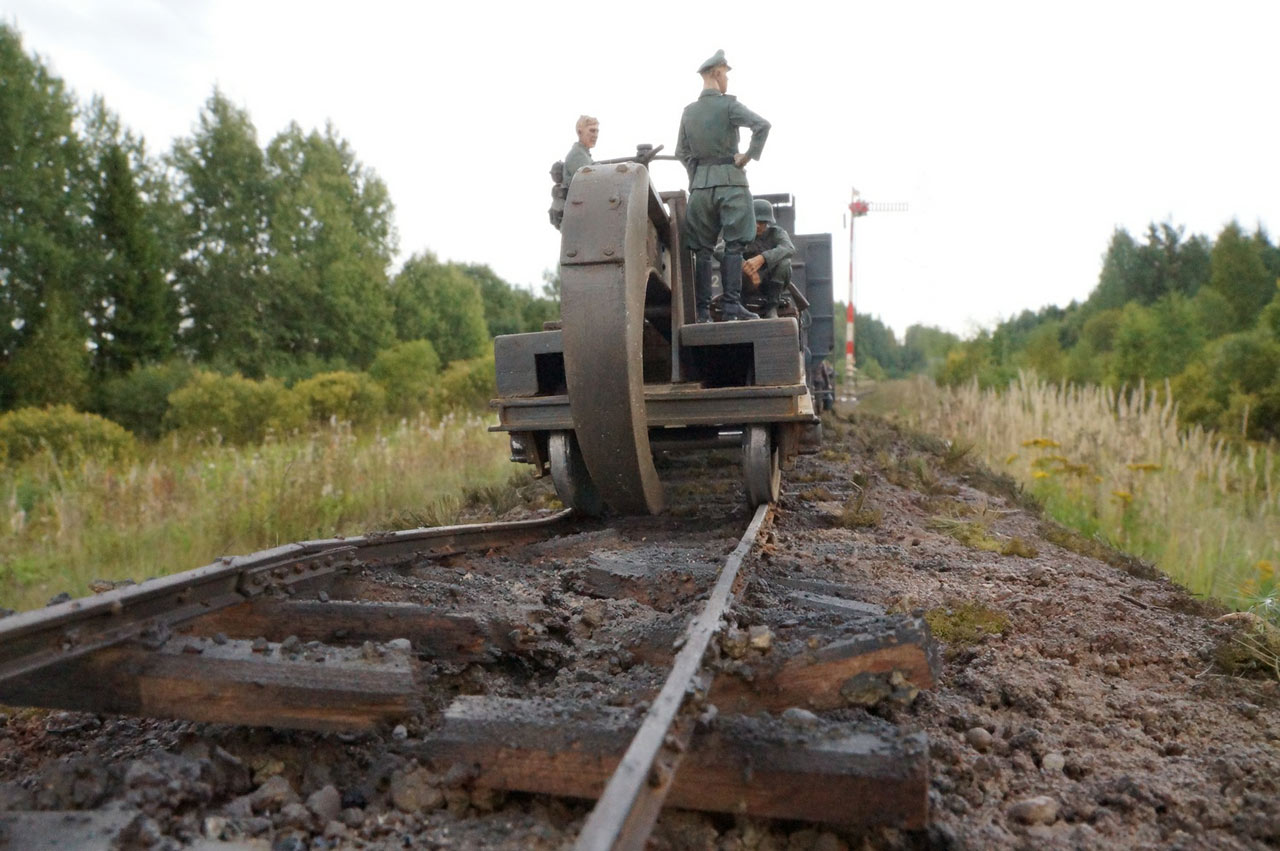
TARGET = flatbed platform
x,y
670,405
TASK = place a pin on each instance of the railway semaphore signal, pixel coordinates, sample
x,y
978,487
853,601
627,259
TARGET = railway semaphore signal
x,y
857,209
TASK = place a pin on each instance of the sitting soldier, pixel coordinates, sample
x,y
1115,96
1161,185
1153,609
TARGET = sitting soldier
x,y
768,263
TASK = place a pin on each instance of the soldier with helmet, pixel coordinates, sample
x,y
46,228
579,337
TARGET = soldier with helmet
x,y
719,197
768,257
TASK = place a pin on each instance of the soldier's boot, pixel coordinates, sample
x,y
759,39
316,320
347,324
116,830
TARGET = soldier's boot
x,y
731,283
772,298
702,286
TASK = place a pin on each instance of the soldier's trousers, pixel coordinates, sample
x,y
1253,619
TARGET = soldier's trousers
x,y
716,209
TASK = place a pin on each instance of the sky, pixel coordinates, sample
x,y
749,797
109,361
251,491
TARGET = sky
x,y
1020,134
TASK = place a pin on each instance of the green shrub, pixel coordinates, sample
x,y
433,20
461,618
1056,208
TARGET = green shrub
x,y
139,400
409,373
466,385
234,407
349,396
67,433
294,368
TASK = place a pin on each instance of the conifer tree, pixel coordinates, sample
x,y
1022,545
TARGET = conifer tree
x,y
1237,271
134,310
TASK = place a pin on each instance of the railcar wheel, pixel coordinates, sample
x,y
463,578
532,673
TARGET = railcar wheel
x,y
569,473
760,468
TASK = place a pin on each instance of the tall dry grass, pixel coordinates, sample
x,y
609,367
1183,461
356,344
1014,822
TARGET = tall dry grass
x,y
183,505
1115,463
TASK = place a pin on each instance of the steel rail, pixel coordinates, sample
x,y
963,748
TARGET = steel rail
x,y
626,811
35,639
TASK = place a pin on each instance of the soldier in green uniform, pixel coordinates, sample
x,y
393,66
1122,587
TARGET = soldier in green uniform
x,y
769,256
580,154
562,172
719,198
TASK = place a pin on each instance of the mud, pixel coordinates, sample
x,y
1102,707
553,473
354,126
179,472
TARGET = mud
x,y
1079,704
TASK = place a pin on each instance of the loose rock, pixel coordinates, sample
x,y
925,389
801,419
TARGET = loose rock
x,y
797,717
979,739
326,803
1038,810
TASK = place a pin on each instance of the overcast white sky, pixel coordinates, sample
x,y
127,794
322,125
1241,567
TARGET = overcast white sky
x,y
1020,133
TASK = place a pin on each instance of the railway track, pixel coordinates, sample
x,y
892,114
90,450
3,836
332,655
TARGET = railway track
x,y
558,656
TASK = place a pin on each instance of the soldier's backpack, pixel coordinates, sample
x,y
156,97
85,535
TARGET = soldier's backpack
x,y
559,192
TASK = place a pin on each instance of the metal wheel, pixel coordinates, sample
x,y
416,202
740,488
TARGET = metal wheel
x,y
760,469
569,473
605,270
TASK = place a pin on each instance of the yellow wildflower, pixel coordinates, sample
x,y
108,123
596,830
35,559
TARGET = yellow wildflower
x,y
1042,443
1145,467
1011,458
1123,496
1040,474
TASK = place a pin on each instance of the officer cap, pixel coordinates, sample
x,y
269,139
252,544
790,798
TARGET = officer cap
x,y
764,211
717,59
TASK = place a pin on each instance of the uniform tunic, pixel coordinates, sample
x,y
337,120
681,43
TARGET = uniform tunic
x,y
777,249
578,156
719,198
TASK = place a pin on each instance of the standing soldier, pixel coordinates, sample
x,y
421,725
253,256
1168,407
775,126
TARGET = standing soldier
x,y
769,263
579,155
562,172
719,198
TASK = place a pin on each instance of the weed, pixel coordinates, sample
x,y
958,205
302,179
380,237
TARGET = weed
x,y
855,514
971,533
965,624
1019,547
1254,645
180,505
957,455
1070,539
818,494
1116,465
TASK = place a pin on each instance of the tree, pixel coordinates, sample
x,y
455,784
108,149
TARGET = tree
x,y
223,284
43,209
1270,253
1118,283
52,366
331,242
1170,265
1043,352
134,312
1213,313
925,348
1237,271
1133,345
438,302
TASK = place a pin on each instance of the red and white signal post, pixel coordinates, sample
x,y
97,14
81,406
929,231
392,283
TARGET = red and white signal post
x,y
857,209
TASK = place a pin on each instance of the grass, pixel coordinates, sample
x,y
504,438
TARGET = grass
x,y
855,515
976,534
965,624
181,505
1116,468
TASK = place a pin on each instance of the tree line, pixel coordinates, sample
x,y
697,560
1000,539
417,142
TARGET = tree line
x,y
1202,315
269,261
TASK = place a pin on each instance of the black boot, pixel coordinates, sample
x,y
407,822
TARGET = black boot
x,y
702,286
772,298
731,283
